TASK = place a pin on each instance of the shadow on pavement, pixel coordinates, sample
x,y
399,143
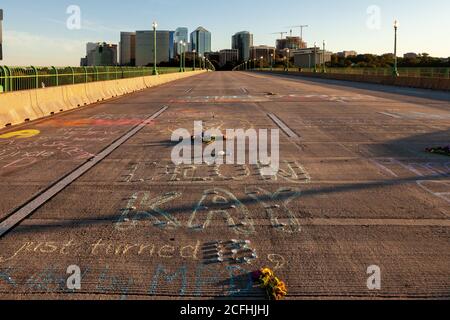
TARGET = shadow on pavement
x,y
404,91
392,149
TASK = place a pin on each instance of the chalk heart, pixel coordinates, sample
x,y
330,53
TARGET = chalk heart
x,y
22,134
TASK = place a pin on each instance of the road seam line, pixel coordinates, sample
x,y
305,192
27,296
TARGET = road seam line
x,y
283,126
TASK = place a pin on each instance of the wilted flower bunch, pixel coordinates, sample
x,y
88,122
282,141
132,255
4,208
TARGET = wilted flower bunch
x,y
275,288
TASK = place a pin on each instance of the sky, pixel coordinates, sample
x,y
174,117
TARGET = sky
x,y
36,32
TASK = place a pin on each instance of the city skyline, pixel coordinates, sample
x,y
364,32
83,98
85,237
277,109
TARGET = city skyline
x,y
42,41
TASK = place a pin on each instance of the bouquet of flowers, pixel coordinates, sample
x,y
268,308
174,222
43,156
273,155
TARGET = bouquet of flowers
x,y
275,288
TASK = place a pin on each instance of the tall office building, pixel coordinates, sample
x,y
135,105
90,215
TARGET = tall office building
x,y
291,43
310,57
181,34
228,56
266,52
127,48
201,40
145,47
1,34
172,48
100,54
243,41
91,46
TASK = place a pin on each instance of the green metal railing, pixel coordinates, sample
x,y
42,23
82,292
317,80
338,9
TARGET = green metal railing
x,y
439,73
25,78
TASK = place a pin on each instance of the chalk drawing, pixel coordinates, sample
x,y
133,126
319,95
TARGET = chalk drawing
x,y
24,159
240,281
111,284
43,247
276,212
425,173
22,134
67,141
290,171
432,186
232,252
398,168
131,173
278,261
163,279
169,279
222,203
151,211
6,276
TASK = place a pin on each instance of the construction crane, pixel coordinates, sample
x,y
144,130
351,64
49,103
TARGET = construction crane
x,y
280,33
301,29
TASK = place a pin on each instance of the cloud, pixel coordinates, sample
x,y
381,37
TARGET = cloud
x,y
89,25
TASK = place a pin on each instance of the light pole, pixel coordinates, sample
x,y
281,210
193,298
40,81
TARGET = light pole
x,y
155,70
184,56
181,55
195,57
315,57
261,63
323,58
271,61
287,59
395,71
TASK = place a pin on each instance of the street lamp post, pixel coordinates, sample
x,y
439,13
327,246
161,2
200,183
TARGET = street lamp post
x,y
323,58
261,63
271,62
287,59
315,57
395,71
155,70
184,56
181,55
195,57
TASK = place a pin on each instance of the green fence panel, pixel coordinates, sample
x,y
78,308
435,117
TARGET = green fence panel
x,y
26,78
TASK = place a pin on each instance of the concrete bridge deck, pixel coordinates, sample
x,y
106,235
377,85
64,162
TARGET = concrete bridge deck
x,y
356,188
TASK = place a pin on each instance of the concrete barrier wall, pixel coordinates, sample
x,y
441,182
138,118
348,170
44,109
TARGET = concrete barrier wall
x,y
23,106
421,83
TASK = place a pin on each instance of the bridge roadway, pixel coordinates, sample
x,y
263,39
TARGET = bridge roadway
x,y
97,188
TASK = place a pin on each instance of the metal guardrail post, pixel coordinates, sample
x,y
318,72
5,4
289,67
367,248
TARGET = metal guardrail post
x,y
85,75
56,76
96,73
36,77
6,78
73,74
10,85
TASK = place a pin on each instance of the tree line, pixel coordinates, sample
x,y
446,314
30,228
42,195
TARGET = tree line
x,y
423,60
